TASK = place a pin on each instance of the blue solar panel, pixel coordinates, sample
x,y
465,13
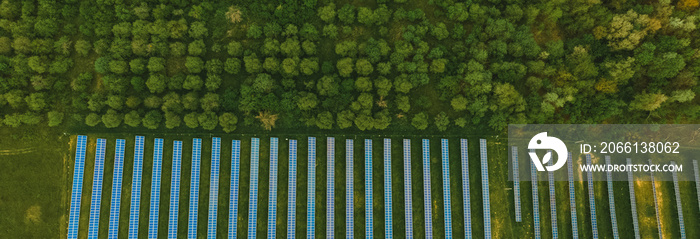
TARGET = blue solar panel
x,y
311,199
388,232
253,199
115,204
591,199
552,202
656,202
572,198
464,147
136,189
427,202
272,206
679,206
535,200
516,184
292,202
485,188
368,190
175,190
349,197
155,189
96,198
408,199
446,187
194,188
77,188
330,193
233,194
214,187
633,200
611,200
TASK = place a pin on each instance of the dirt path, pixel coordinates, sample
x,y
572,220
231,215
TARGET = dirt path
x,y
5,152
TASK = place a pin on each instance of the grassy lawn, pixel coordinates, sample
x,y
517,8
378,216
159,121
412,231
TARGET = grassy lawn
x,y
35,213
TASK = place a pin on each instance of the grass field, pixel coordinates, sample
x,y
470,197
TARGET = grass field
x,y
36,187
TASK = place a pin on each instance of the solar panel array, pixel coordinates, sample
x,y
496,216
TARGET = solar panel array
x,y
136,189
572,198
368,189
633,201
463,144
349,217
194,188
272,205
330,187
485,188
214,187
96,197
591,199
292,211
535,199
388,232
114,206
656,202
253,210
697,179
233,194
408,199
552,202
311,200
516,184
427,201
446,187
155,189
678,202
611,200
77,188
175,190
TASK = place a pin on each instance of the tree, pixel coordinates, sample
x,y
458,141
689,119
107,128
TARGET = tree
x,y
172,120
324,120
112,119
327,86
442,121
346,48
194,64
263,83
46,27
345,67
330,31
667,66
363,84
364,67
438,65
36,101
308,66
208,120
156,83
647,101
234,48
345,119
192,82
138,66
152,119
459,103
198,30
252,64
13,120
210,102
82,47
228,122
132,118
420,121
271,65
115,102
55,118
346,14
366,16
196,48
191,120
91,120
291,47
307,101
232,65
364,122
403,103
327,13
440,31
254,31
213,82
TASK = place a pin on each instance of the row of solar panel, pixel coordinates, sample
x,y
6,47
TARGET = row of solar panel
x,y
194,187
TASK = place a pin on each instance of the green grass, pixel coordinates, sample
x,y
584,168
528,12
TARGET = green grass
x,y
23,189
